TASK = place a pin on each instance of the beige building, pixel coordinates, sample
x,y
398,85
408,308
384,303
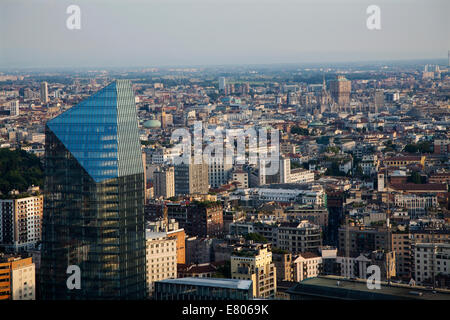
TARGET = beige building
x,y
164,182
17,278
191,178
161,258
401,245
256,264
340,90
240,176
20,222
306,265
283,264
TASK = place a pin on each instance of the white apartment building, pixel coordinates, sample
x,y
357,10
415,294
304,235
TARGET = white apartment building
x,y
219,171
306,265
21,222
161,258
430,260
314,196
369,164
301,176
416,204
14,109
23,286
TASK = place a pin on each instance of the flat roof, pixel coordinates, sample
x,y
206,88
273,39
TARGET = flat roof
x,y
154,235
326,287
212,282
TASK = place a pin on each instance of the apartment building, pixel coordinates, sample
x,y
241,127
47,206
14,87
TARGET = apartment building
x,y
299,237
17,278
306,265
363,239
191,178
283,264
256,265
219,171
416,204
161,258
240,176
401,245
204,219
164,182
432,263
20,223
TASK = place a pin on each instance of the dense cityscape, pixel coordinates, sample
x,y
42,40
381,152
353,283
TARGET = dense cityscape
x,y
96,204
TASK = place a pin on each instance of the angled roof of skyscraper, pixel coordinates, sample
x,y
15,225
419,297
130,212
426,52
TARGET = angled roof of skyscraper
x,y
91,132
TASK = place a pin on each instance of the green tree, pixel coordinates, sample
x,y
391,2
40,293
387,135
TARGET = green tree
x,y
256,237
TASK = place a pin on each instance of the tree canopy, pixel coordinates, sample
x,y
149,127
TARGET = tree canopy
x,y
19,170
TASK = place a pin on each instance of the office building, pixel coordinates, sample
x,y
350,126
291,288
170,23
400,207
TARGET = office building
x,y
222,83
44,92
378,100
14,109
171,227
360,239
94,201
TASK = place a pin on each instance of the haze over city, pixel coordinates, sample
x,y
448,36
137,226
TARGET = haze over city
x,y
172,32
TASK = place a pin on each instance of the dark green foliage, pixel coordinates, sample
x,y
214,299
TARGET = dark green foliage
x,y
256,237
298,130
19,170
420,147
416,178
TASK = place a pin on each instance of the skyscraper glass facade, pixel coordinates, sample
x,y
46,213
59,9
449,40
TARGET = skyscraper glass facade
x,y
93,206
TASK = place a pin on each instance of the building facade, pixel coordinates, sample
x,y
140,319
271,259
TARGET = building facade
x,y
164,182
204,219
161,258
17,278
20,223
94,201
256,265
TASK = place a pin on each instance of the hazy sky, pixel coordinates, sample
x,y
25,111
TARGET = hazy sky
x,y
33,33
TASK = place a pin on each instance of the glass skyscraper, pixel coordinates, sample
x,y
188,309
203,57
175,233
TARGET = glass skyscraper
x,y
94,199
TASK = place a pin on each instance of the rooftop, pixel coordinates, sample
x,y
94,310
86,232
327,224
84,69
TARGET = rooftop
x,y
212,282
335,287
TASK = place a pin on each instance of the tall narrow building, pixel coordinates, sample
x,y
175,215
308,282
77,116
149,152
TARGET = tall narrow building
x,y
94,201
44,92
340,90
